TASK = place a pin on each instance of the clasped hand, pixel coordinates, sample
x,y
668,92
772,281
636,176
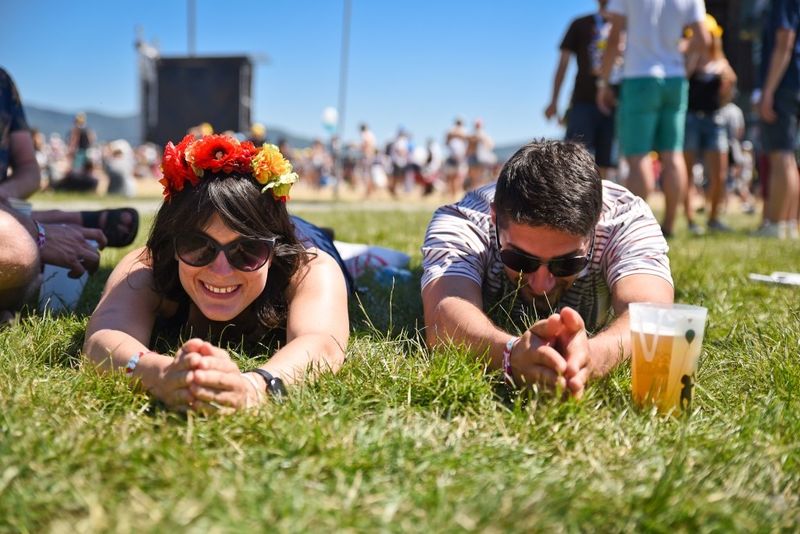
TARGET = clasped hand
x,y
554,353
203,378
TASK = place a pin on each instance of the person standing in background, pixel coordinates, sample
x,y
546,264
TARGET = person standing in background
x,y
81,138
586,39
652,109
711,86
779,107
455,166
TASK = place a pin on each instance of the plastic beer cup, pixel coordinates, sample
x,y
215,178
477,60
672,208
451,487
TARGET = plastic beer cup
x,y
666,341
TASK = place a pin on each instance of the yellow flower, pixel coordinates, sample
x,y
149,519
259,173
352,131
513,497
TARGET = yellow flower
x,y
269,164
281,186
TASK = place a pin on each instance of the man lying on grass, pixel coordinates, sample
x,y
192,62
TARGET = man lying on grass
x,y
225,261
549,241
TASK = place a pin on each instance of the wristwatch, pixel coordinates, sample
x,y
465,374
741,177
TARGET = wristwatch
x,y
601,82
275,386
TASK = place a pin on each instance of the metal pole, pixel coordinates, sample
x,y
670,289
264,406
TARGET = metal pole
x,y
190,25
342,94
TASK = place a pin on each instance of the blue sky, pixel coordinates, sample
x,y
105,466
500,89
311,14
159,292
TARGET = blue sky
x,y
416,63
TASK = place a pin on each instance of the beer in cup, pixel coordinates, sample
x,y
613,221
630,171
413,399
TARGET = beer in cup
x,y
666,341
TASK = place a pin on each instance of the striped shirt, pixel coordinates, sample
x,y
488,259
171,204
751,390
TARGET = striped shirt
x,y
461,241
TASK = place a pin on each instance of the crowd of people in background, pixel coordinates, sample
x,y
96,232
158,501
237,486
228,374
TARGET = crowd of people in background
x,y
671,112
697,146
400,166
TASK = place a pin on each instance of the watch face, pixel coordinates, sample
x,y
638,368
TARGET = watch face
x,y
276,388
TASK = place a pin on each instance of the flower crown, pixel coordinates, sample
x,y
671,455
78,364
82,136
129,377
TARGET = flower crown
x,y
189,160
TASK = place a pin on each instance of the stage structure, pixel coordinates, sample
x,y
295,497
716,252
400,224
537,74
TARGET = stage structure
x,y
178,93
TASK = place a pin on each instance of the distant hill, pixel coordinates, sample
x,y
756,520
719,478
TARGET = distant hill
x,y
504,152
106,127
109,127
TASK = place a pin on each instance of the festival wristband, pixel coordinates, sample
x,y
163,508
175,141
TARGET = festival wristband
x,y
40,234
134,361
507,357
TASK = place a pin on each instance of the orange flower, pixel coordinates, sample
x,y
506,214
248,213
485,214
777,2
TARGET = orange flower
x,y
269,164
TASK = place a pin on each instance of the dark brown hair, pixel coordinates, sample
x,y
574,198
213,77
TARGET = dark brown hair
x,y
550,183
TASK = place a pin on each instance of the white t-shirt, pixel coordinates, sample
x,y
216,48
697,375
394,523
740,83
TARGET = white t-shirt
x,y
654,29
461,241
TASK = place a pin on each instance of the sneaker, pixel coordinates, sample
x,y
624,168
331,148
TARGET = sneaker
x,y
696,229
717,226
792,232
748,208
768,229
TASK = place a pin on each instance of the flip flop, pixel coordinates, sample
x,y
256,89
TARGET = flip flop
x,y
116,236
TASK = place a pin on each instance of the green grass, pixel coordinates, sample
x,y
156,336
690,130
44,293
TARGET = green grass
x,y
407,440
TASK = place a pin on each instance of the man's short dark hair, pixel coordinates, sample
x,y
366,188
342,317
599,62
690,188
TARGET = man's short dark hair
x,y
550,183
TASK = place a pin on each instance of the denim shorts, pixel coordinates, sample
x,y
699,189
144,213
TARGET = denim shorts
x,y
781,135
652,115
588,125
705,132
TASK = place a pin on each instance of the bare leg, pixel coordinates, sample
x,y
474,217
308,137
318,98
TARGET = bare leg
x,y
640,175
688,206
673,181
19,265
784,184
717,164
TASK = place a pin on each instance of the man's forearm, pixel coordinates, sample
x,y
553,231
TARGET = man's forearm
x,y
779,60
610,347
23,182
558,80
457,321
611,52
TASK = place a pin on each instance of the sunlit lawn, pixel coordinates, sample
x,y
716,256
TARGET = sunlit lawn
x,y
407,440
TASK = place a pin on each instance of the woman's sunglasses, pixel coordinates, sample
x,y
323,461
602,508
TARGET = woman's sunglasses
x,y
246,253
558,267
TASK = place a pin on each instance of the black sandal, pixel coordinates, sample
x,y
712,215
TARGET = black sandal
x,y
116,236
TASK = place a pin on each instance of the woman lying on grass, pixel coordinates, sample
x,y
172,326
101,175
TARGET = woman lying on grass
x,y
224,261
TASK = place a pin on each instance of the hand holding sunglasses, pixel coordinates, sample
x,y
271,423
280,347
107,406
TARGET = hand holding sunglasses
x,y
246,253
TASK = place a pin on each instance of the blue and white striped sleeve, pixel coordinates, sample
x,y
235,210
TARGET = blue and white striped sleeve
x,y
454,246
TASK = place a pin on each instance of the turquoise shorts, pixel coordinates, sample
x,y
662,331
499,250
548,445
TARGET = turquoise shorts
x,y
652,115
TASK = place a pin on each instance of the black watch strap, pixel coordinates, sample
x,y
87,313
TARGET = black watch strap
x,y
275,385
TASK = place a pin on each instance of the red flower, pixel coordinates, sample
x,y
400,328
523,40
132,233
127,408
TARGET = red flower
x,y
245,157
175,168
214,153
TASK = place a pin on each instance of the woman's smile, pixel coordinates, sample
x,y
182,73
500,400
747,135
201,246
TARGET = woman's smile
x,y
220,290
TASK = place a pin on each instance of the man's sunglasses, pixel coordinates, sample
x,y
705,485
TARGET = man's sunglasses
x,y
558,267
246,253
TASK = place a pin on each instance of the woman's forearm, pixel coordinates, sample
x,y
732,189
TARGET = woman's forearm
x,y
305,356
111,350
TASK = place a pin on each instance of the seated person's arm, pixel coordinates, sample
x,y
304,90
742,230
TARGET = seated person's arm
x,y
613,345
121,326
318,326
24,181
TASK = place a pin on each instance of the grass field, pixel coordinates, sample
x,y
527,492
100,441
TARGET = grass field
x,y
407,440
